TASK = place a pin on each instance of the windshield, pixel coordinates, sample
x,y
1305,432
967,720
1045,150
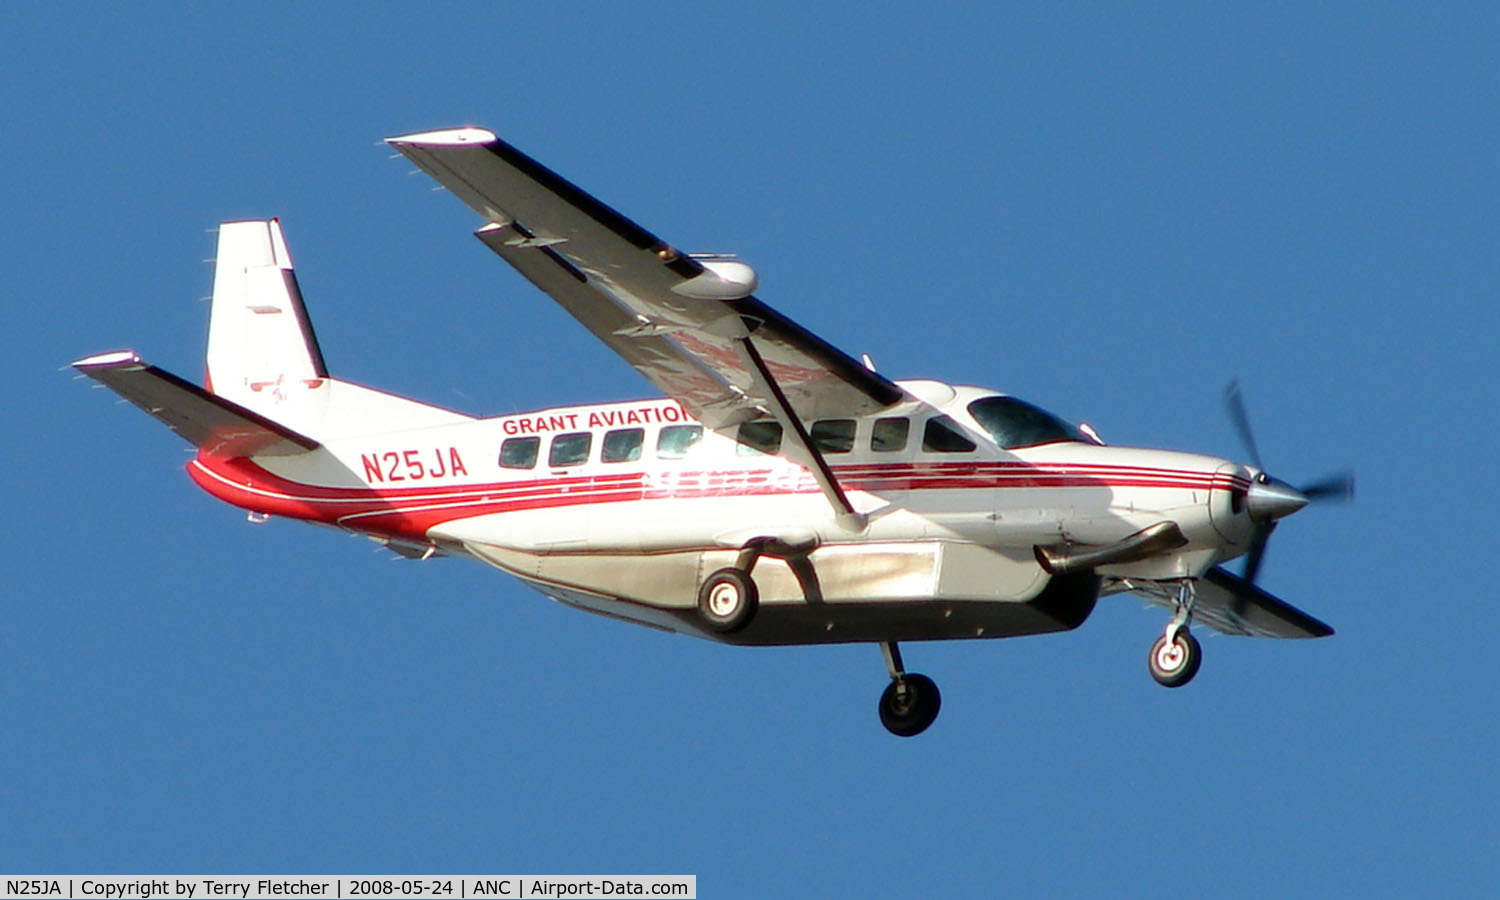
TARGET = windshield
x,y
1015,423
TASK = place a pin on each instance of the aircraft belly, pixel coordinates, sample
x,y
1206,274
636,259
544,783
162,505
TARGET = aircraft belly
x,y
920,590
1065,604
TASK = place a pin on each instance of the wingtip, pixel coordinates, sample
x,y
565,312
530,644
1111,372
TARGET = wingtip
x,y
111,360
448,137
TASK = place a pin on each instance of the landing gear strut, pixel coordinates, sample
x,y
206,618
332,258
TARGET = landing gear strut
x,y
1176,656
911,701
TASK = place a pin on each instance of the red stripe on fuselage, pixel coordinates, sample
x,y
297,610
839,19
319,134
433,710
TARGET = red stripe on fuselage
x,y
411,512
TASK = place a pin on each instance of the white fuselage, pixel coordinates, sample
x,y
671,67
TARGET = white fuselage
x,y
616,508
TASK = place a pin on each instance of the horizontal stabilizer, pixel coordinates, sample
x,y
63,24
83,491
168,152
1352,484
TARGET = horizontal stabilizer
x,y
212,423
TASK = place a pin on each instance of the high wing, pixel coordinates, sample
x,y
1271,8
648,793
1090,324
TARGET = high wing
x,y
689,324
1230,605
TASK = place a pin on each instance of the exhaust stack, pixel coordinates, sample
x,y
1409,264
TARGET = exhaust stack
x,y
1147,542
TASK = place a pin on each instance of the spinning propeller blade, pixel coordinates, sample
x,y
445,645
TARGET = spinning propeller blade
x,y
1234,402
1256,554
1271,499
1334,488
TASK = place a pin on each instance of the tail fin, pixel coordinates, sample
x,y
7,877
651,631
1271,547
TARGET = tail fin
x,y
269,393
263,355
261,346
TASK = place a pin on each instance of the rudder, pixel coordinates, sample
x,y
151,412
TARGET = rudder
x,y
262,352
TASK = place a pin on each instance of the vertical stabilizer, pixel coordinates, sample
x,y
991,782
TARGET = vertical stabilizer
x,y
262,353
263,356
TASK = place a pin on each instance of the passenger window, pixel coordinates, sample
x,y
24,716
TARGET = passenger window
x,y
762,436
519,453
943,436
623,445
676,441
889,435
833,435
570,449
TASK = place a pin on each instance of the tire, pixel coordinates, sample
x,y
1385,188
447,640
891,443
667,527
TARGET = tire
x,y
912,715
727,600
1174,665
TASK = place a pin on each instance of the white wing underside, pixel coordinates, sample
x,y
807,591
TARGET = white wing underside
x,y
1228,605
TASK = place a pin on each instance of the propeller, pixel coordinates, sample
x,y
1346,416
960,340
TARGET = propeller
x,y
1339,486
1234,403
1270,499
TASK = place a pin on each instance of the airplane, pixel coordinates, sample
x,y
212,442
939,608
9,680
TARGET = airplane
x,y
782,492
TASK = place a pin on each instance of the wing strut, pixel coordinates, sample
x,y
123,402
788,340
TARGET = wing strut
x,y
817,465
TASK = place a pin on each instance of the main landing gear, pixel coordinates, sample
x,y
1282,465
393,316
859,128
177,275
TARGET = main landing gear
x,y
1176,656
728,599
911,701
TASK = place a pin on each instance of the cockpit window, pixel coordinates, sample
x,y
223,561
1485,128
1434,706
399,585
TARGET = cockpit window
x,y
1015,423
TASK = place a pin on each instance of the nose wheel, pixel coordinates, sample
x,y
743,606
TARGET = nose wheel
x,y
1176,655
911,701
1175,659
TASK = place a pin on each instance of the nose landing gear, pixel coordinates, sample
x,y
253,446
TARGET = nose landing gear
x,y
911,701
1174,661
1176,655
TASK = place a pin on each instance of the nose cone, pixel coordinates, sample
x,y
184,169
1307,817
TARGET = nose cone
x,y
1270,499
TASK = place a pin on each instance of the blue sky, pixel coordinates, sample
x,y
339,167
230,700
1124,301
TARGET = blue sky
x,y
1110,212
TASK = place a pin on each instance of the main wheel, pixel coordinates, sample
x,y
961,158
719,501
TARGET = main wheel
x,y
1174,664
728,600
908,713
